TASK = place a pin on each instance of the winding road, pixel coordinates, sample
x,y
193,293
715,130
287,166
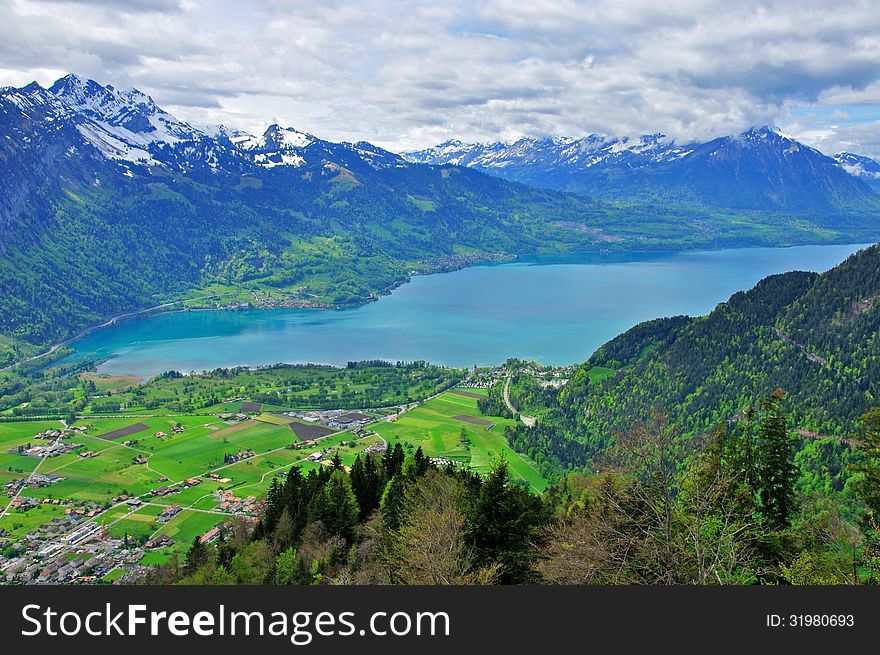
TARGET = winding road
x,y
528,421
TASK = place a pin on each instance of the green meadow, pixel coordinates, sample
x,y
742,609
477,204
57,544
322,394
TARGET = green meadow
x,y
135,524
433,426
14,434
184,527
175,457
200,448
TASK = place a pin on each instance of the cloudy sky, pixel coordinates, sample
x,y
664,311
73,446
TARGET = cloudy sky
x,y
411,74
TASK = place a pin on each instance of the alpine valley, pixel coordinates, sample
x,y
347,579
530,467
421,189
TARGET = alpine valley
x,y
110,205
739,447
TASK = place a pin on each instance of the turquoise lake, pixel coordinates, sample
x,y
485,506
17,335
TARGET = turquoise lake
x,y
554,310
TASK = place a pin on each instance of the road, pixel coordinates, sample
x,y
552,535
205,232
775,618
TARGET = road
x,y
528,421
60,538
30,476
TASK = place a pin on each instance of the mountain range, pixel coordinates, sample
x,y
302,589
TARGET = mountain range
x,y
760,169
110,204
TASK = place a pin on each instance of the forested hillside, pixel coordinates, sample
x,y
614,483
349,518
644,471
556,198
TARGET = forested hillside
x,y
109,204
814,336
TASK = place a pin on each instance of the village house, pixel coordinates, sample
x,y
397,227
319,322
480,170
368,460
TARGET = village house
x,y
169,514
161,541
210,536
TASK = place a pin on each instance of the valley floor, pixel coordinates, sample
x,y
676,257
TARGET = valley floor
x,y
128,491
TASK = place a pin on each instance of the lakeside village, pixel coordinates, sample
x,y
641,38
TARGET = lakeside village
x,y
78,548
303,298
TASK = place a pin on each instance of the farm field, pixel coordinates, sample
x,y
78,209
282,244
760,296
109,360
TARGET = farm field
x,y
134,524
183,528
198,447
14,434
136,454
435,427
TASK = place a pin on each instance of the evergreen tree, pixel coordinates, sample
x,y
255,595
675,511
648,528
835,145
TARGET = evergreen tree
x,y
420,463
393,461
503,526
225,550
292,487
364,483
296,494
776,469
392,502
274,508
340,510
196,557
867,488
373,478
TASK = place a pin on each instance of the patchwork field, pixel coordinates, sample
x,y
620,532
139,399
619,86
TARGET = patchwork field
x,y
148,453
135,454
134,524
184,527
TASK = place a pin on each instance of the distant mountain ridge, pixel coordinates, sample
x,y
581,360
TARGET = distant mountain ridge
x,y
108,203
760,169
128,127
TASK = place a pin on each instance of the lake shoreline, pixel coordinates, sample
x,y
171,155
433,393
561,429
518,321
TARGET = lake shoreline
x,y
149,312
597,258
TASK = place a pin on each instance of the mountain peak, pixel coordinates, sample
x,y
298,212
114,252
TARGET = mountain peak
x,y
71,83
767,131
858,165
283,138
106,102
32,87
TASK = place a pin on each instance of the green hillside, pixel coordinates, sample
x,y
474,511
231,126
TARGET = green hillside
x,y
814,336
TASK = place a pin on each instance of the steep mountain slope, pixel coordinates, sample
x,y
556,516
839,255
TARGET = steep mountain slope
x,y
813,335
758,170
110,204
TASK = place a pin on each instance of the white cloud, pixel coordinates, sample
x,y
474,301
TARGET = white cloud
x,y
410,74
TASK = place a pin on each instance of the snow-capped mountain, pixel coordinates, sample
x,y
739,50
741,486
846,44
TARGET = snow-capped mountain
x,y
124,125
858,165
286,146
108,203
129,128
762,168
131,110
554,152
